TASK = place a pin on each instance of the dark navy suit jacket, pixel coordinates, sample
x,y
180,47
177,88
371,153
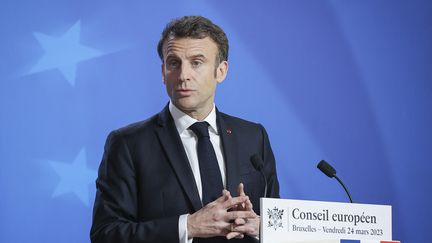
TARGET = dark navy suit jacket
x,y
145,181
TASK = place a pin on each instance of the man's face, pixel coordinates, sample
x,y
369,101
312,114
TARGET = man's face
x,y
190,74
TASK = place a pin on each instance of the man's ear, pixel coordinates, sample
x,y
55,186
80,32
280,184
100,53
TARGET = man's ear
x,y
163,72
221,71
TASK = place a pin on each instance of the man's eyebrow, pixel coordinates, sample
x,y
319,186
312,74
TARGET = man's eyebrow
x,y
198,56
171,55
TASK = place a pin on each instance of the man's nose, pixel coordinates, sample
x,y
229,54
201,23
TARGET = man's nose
x,y
185,72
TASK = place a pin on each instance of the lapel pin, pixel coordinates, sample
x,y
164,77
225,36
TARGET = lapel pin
x,y
229,131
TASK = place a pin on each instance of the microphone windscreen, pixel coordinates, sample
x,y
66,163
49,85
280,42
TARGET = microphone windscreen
x,y
257,162
326,168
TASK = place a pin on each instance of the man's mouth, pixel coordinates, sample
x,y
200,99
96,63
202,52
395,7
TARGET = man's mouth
x,y
185,92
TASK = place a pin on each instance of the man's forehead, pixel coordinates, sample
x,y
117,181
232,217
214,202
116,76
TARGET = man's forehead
x,y
192,45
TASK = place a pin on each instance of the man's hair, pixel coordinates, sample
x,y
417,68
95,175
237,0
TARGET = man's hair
x,y
196,27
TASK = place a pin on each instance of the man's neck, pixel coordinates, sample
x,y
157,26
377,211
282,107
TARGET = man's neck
x,y
199,114
183,120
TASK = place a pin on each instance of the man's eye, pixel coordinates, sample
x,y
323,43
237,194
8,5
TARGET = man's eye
x,y
196,63
173,64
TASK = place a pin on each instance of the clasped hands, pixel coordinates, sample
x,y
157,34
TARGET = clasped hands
x,y
228,216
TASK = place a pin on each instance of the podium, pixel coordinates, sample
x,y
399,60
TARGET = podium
x,y
301,221
343,241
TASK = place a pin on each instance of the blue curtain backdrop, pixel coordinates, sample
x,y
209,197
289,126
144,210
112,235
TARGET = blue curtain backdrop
x,y
345,81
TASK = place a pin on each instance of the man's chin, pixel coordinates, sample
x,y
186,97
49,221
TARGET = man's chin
x,y
185,104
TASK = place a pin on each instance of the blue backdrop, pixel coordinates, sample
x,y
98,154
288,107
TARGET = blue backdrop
x,y
345,81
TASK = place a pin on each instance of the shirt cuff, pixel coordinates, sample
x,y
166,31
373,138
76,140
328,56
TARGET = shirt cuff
x,y
182,228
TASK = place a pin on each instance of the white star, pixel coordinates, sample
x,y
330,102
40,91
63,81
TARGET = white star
x,y
63,53
75,177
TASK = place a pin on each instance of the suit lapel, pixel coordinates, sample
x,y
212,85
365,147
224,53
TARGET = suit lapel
x,y
173,148
229,138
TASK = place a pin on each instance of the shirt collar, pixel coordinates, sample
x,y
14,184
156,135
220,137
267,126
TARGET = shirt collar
x,y
183,121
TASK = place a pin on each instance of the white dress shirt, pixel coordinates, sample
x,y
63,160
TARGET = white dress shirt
x,y
189,139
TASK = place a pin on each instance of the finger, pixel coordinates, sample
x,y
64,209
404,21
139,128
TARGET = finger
x,y
227,227
235,207
232,235
233,215
248,205
225,196
245,229
240,190
240,221
228,195
235,201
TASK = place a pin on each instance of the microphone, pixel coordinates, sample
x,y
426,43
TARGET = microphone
x,y
258,164
327,169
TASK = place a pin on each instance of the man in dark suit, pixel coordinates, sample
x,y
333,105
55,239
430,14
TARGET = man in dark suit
x,y
185,174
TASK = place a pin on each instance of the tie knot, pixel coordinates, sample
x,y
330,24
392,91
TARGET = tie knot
x,y
200,129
